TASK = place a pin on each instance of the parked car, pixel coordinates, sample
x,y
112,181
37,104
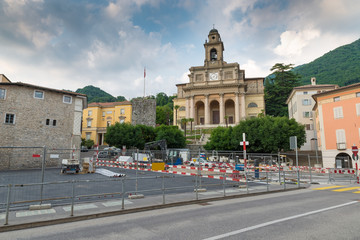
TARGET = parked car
x,y
202,162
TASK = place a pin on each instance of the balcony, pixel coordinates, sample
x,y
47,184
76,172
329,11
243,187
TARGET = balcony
x,y
341,146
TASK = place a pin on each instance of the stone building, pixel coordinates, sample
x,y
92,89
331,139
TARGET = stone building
x,y
144,112
35,116
218,92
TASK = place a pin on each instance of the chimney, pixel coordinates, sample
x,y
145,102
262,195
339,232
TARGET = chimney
x,y
313,81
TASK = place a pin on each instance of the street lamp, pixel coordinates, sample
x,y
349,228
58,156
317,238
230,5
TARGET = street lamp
x,y
315,138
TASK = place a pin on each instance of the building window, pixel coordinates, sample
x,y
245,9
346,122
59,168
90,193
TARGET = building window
x,y
122,111
182,108
306,102
67,99
54,122
108,123
2,94
307,114
89,112
358,109
305,93
252,105
358,94
38,94
199,77
109,112
103,114
10,118
47,122
213,54
340,139
88,123
228,75
309,127
338,112
88,135
336,99
122,120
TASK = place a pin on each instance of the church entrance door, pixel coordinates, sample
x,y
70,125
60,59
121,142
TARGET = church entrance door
x,y
216,117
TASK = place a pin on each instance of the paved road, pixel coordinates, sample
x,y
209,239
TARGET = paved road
x,y
302,214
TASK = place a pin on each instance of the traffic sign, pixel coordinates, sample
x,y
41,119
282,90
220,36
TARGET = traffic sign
x,y
355,150
355,157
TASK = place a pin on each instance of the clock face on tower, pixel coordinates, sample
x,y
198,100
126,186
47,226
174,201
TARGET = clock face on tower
x,y
213,76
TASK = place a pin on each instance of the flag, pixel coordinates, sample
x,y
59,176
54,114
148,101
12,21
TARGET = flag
x,y
144,72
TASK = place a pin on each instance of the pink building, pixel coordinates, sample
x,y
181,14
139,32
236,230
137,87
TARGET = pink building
x,y
337,114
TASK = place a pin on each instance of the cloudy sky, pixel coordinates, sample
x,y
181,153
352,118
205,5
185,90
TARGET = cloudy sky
x,y
69,44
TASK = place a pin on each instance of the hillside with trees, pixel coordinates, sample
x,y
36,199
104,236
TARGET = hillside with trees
x,y
340,66
95,94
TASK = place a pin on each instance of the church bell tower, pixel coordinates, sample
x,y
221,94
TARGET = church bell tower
x,y
214,49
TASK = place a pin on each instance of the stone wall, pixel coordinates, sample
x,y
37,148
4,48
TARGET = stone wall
x,y
144,112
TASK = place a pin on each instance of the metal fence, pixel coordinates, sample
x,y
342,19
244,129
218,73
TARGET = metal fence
x,y
44,183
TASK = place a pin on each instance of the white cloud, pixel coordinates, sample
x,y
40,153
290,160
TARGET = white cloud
x,y
293,42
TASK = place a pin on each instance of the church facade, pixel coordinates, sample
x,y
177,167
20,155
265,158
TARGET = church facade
x,y
218,93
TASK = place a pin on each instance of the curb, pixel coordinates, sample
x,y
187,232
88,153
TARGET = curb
x,y
7,228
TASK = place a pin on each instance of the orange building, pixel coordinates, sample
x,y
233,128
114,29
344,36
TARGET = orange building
x,y
337,115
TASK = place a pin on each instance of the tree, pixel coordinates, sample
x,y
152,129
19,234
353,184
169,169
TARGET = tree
x,y
172,134
87,143
176,109
164,115
226,120
184,122
278,88
121,134
120,98
266,134
191,120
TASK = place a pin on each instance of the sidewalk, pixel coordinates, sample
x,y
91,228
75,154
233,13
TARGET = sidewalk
x,y
113,206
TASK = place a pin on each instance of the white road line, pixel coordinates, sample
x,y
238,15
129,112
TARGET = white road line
x,y
277,221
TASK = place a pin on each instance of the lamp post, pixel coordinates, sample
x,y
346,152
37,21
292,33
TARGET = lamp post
x,y
315,139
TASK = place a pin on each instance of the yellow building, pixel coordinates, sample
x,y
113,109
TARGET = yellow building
x,y
98,116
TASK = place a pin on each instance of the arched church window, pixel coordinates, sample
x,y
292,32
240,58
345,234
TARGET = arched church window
x,y
252,105
213,54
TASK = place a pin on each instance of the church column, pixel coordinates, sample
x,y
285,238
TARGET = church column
x,y
237,108
242,104
187,107
192,107
222,108
207,110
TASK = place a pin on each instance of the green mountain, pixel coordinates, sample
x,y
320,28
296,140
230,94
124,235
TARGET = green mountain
x,y
95,94
340,66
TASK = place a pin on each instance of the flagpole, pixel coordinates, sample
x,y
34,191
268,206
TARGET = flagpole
x,y
144,79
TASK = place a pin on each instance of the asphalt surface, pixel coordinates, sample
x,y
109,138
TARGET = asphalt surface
x,y
300,214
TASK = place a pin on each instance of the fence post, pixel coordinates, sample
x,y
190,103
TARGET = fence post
x,y
123,195
247,185
284,179
267,180
42,175
224,185
72,198
298,177
196,187
8,205
279,167
163,188
310,169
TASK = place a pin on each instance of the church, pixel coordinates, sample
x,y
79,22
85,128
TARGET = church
x,y
218,93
